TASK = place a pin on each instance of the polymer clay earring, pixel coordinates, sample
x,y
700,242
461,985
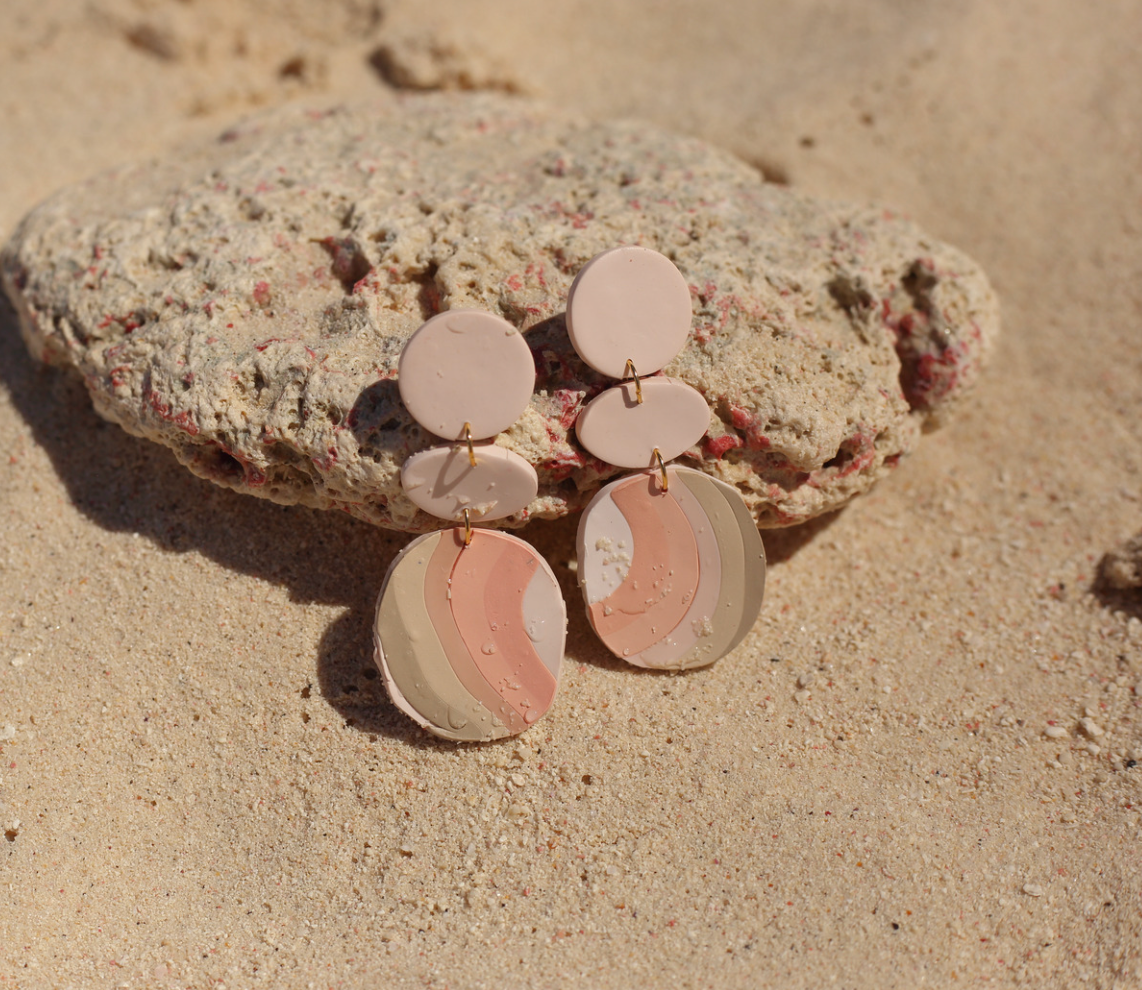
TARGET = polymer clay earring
x,y
470,622
671,564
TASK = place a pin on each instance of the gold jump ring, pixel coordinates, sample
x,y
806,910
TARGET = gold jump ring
x,y
471,449
633,374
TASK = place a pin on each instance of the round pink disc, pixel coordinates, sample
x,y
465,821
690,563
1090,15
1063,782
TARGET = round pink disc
x,y
466,366
628,303
616,428
442,481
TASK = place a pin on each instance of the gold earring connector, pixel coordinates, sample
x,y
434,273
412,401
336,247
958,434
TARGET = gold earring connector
x,y
629,372
467,529
662,469
471,449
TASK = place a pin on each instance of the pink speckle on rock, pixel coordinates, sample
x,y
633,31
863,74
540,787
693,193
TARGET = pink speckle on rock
x,y
718,447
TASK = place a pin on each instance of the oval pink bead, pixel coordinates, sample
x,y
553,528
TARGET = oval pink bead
x,y
617,429
628,303
466,366
442,482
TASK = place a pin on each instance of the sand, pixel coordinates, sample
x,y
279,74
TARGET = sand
x,y
919,768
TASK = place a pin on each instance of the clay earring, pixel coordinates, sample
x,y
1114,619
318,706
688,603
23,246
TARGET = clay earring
x,y
470,622
670,560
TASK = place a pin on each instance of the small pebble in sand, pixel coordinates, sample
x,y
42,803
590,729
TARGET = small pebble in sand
x,y
1032,890
1091,728
805,679
1054,732
1122,567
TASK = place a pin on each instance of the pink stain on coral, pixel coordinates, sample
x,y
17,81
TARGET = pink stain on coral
x,y
718,447
537,271
128,322
578,219
931,367
751,425
569,402
183,419
326,461
560,466
856,454
741,418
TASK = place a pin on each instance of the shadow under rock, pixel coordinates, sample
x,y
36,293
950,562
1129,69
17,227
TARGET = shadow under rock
x,y
124,484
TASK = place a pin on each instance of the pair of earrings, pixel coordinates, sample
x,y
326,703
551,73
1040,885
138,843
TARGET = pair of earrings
x,y
470,623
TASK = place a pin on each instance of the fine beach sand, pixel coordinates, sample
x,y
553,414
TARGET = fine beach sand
x,y
201,781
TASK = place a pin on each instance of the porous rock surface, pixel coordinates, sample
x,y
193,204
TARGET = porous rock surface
x,y
245,303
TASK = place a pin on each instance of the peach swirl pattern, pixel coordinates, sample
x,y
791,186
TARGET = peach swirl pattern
x,y
672,579
469,640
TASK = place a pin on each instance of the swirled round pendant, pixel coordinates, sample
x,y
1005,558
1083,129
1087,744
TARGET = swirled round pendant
x,y
469,639
672,578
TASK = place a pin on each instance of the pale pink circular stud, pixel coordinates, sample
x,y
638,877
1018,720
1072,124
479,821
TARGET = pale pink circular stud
x,y
628,303
443,482
466,366
620,430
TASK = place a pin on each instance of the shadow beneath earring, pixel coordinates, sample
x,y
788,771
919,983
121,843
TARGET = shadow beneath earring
x,y
350,682
555,542
126,485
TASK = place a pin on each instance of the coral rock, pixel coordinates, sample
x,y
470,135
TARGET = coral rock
x,y
246,303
